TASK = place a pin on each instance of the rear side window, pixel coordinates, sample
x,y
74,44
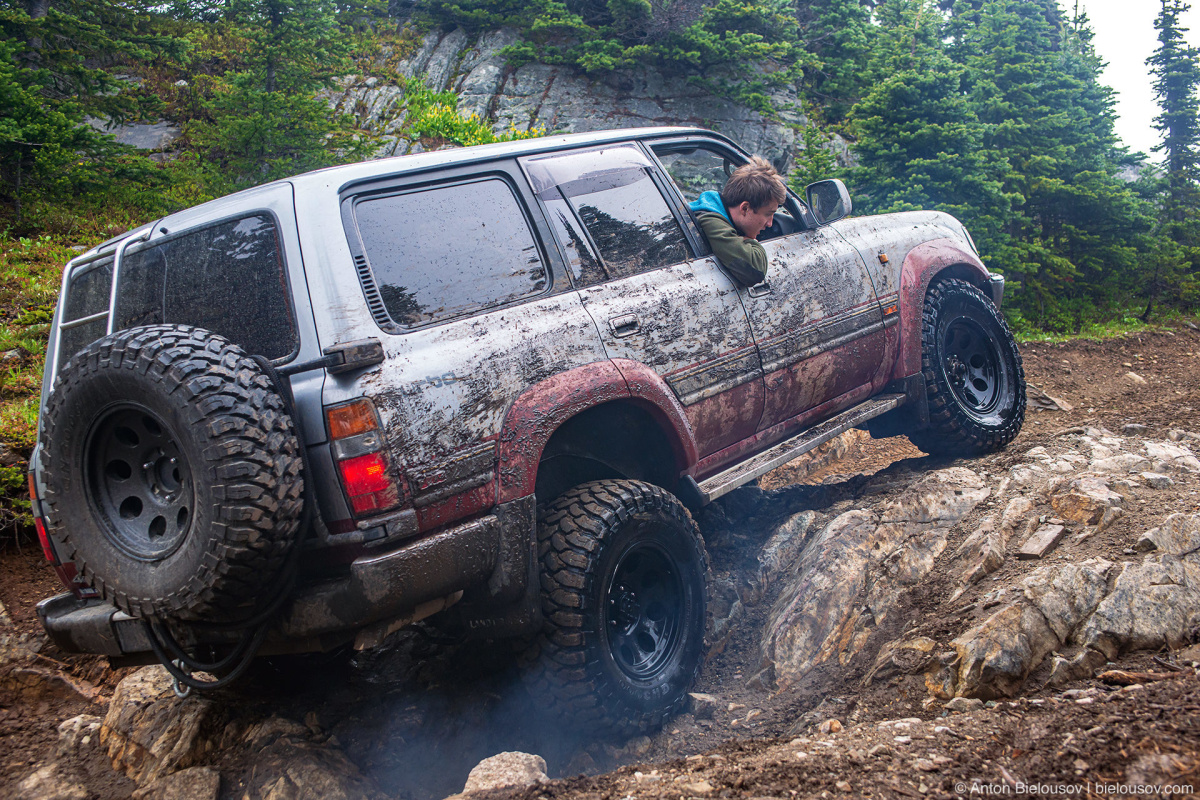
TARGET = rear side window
x,y
447,251
87,296
228,278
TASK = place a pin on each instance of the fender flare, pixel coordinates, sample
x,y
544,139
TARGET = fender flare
x,y
922,264
539,411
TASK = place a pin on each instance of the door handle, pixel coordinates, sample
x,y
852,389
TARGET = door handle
x,y
625,325
759,289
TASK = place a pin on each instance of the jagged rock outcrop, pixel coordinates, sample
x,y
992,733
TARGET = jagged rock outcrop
x,y
559,98
847,578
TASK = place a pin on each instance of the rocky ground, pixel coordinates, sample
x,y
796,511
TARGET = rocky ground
x,y
886,625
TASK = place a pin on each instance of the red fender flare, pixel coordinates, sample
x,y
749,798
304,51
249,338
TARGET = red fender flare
x,y
921,265
539,411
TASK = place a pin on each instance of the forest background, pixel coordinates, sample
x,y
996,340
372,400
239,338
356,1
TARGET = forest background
x,y
991,110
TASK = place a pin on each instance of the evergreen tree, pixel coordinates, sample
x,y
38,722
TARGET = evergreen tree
x,y
1176,69
50,83
1072,233
265,118
919,143
840,34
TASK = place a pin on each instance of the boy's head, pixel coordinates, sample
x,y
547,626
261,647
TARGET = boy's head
x,y
752,194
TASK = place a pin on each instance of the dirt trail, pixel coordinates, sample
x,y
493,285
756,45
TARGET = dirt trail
x,y
416,714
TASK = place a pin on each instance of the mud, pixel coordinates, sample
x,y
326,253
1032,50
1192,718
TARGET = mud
x,y
417,713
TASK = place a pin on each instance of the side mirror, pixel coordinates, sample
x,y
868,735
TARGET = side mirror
x,y
828,199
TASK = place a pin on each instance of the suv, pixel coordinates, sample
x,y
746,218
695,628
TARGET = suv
x,y
487,384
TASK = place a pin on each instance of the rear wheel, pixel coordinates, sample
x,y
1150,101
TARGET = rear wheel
x,y
173,474
624,599
973,376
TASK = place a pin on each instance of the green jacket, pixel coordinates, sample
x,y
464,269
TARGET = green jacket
x,y
744,258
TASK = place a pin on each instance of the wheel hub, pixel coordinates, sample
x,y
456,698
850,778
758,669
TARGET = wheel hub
x,y
972,366
644,606
140,484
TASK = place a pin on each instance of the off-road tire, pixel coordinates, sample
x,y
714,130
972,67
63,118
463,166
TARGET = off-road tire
x,y
974,380
177,424
588,665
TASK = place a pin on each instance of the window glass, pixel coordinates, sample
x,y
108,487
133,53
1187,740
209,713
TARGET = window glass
x,y
87,294
88,291
585,269
697,171
444,252
228,278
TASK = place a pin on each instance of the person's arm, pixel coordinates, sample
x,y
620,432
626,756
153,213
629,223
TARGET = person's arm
x,y
744,258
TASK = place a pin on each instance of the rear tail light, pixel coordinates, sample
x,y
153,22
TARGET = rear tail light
x,y
362,465
43,537
66,572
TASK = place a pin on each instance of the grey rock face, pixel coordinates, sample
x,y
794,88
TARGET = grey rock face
x,y
561,99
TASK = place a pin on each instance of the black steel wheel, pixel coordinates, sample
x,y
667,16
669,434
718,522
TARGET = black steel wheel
x,y
140,482
173,474
974,380
624,600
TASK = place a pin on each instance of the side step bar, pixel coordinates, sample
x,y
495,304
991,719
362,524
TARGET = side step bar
x,y
725,482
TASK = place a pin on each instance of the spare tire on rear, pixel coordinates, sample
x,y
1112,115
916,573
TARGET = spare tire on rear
x,y
173,474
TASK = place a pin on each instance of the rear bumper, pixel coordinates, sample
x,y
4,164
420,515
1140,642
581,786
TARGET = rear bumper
x,y
489,556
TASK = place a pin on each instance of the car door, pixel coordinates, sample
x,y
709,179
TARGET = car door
x,y
651,299
816,319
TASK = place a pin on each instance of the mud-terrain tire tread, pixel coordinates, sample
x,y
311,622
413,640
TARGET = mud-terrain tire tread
x,y
560,669
951,430
252,459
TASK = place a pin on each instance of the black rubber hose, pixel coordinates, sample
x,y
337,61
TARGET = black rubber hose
x,y
247,648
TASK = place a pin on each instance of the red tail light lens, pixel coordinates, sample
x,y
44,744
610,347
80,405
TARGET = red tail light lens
x,y
357,446
44,538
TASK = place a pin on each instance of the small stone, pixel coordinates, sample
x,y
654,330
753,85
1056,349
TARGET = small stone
x,y
880,750
698,787
1135,379
925,765
1156,480
507,770
830,726
1041,542
842,786
1133,429
638,746
903,739
703,706
1080,765
964,704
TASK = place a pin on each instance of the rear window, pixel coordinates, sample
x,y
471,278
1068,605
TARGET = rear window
x,y
87,296
228,278
447,251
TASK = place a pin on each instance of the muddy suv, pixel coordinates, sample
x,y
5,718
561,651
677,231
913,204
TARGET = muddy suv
x,y
486,384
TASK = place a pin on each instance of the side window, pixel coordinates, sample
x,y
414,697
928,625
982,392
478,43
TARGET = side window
x,y
228,278
696,170
443,252
609,194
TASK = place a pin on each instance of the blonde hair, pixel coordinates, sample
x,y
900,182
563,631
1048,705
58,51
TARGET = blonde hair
x,y
755,182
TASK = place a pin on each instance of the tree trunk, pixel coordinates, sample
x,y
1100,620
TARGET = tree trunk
x,y
37,8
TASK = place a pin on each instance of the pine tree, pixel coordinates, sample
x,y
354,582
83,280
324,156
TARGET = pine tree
x,y
265,118
1073,232
919,143
841,36
1176,69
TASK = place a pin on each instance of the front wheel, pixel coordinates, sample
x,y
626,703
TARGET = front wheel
x,y
624,600
973,376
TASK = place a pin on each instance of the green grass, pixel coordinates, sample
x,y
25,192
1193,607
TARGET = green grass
x,y
1111,329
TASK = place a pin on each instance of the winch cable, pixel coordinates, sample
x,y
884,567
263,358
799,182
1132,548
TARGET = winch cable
x,y
167,648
